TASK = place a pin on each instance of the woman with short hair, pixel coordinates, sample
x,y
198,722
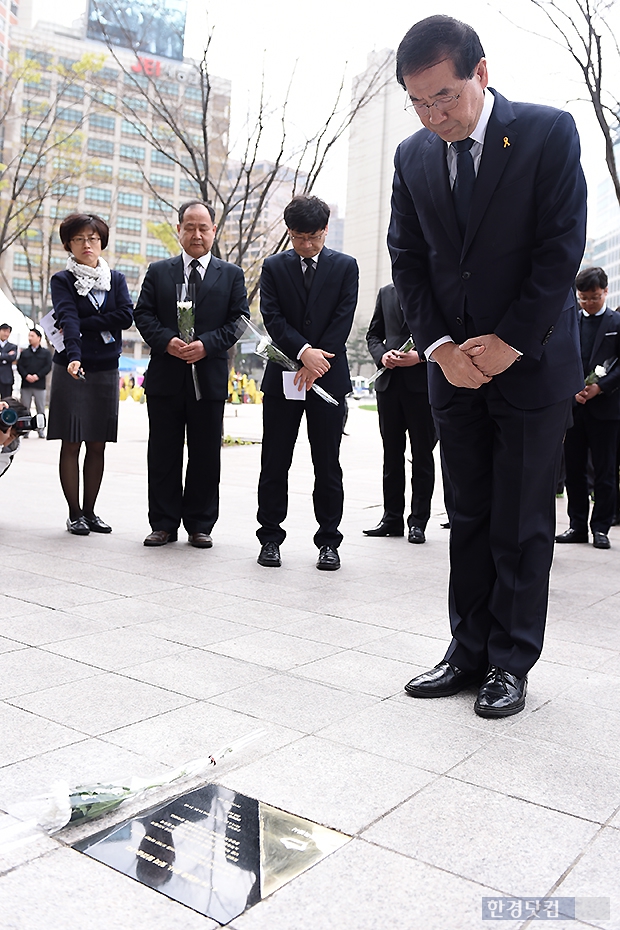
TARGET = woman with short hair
x,y
91,306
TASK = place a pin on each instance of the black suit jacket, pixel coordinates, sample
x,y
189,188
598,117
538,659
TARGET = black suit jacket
x,y
323,318
606,348
388,330
513,271
35,363
220,301
8,354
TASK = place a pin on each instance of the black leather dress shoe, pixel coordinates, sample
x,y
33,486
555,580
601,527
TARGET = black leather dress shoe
x,y
416,534
200,540
572,536
385,528
269,555
328,560
78,527
601,541
441,681
96,524
501,694
160,538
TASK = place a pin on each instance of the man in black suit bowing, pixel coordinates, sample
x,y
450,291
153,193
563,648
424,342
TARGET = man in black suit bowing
x,y
596,416
403,407
307,299
186,385
486,236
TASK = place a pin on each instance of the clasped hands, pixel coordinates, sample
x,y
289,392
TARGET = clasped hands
x,y
476,361
396,359
189,353
314,364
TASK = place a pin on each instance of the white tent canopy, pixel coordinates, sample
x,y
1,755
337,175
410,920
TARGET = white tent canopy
x,y
10,314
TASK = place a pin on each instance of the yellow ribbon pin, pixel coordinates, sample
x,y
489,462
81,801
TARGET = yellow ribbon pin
x,y
506,142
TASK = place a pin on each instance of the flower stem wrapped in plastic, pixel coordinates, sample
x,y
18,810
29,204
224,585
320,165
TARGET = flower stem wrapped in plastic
x,y
600,371
406,347
267,349
63,805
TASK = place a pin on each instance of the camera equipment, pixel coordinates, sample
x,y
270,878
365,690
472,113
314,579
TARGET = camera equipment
x,y
9,418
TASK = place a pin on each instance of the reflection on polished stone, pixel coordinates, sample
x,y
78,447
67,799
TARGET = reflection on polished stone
x,y
214,850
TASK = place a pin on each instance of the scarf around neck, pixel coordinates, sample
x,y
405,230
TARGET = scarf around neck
x,y
87,278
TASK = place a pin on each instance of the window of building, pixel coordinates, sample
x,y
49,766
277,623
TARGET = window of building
x,y
130,200
101,122
42,86
71,90
20,260
97,195
188,187
131,175
130,129
156,251
100,147
137,103
67,62
109,75
132,152
26,285
129,224
130,271
162,180
42,58
126,247
101,172
61,189
193,93
136,80
160,158
105,97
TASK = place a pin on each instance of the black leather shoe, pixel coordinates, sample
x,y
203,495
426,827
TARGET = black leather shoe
x,y
601,541
329,560
416,534
78,527
160,538
501,694
385,528
200,540
572,536
441,681
96,524
269,555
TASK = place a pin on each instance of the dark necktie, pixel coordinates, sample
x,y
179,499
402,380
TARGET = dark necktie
x,y
194,279
464,182
309,273
589,329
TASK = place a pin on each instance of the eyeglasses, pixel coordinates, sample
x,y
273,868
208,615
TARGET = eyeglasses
x,y
312,239
590,300
442,104
89,239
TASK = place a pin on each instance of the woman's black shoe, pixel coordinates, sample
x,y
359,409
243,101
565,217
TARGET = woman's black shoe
x,y
78,527
97,525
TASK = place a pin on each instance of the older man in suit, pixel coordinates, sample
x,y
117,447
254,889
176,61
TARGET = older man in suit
x,y
486,236
403,407
8,355
307,298
186,385
596,416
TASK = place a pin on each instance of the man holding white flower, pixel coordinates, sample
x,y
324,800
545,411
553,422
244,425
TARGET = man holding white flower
x,y
186,384
596,416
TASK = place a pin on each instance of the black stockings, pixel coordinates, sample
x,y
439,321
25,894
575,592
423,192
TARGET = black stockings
x,y
70,475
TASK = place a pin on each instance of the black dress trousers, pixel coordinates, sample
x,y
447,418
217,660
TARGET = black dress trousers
x,y
600,437
502,466
400,412
195,502
281,420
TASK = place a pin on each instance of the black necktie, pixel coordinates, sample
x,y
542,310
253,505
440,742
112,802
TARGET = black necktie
x,y
309,273
464,182
194,279
589,329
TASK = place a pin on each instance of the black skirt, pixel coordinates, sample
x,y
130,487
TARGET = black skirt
x,y
83,411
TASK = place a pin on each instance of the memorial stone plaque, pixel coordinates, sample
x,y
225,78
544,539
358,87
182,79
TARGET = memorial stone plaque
x,y
214,850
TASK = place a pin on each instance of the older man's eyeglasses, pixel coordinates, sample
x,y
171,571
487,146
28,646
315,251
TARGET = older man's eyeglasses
x,y
442,104
314,240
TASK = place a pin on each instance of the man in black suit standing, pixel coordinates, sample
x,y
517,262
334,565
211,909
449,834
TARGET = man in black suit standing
x,y
186,385
8,354
596,416
34,365
403,407
486,236
307,299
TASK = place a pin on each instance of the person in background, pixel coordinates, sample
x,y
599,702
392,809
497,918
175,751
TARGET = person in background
x,y
596,416
403,407
34,364
8,354
91,306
